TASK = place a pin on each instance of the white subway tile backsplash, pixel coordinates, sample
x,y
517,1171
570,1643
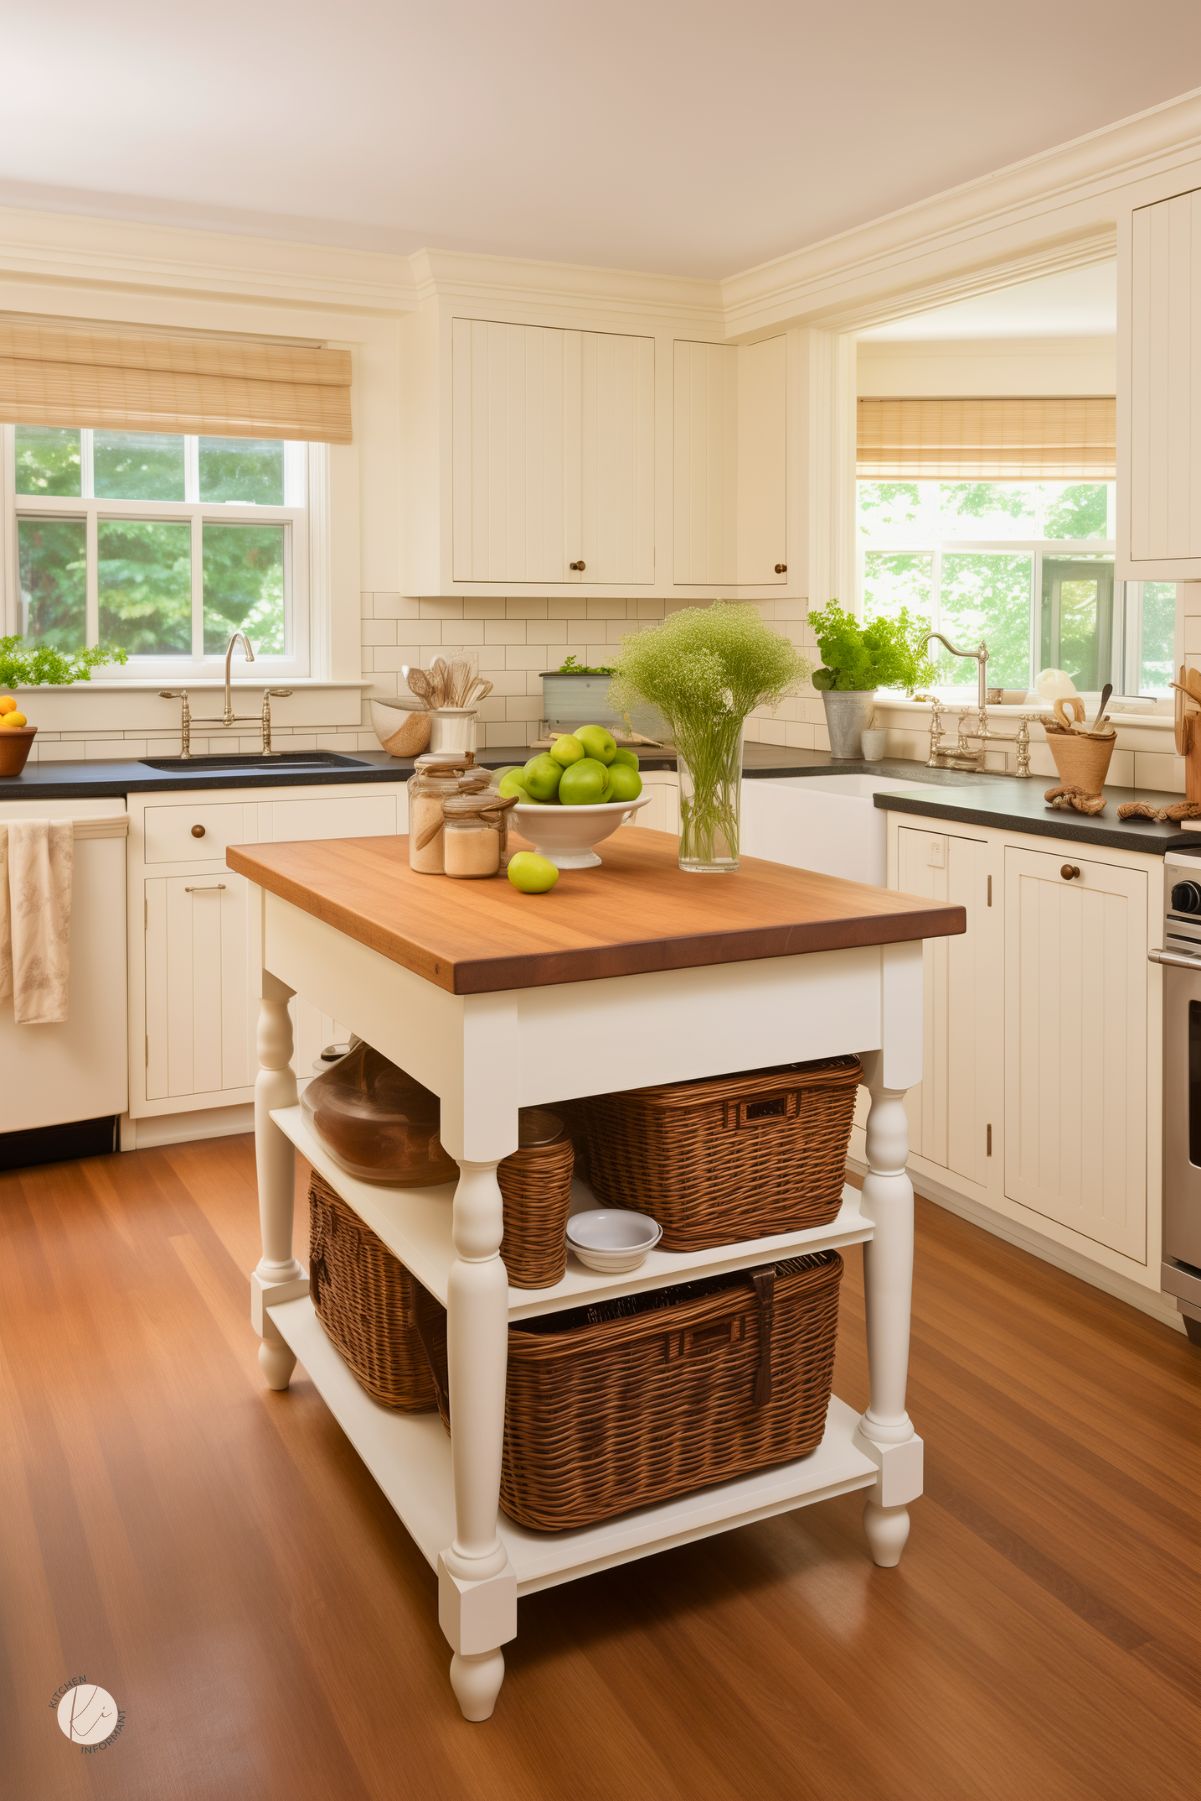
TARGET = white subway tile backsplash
x,y
504,631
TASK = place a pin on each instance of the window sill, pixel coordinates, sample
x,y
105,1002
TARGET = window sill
x,y
136,707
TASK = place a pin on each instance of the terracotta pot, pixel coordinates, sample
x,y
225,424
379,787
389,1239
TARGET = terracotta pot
x,y
16,742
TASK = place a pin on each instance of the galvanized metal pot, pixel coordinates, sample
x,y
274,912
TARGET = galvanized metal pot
x,y
847,713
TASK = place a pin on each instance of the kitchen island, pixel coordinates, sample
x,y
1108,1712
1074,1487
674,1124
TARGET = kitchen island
x,y
631,974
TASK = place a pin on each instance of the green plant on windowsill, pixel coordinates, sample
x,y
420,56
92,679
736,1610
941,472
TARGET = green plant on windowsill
x,y
43,666
857,658
573,666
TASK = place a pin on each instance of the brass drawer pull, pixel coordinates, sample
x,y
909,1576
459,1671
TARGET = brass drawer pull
x,y
198,831
580,565
209,888
1070,871
781,568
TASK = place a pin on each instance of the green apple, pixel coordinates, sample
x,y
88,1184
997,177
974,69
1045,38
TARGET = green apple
x,y
542,775
625,755
567,750
585,784
624,783
513,785
531,873
497,776
597,742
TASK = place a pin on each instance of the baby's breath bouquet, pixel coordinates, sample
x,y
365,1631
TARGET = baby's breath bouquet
x,y
706,668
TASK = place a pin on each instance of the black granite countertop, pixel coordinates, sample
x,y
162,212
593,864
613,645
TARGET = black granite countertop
x,y
101,778
973,799
1010,805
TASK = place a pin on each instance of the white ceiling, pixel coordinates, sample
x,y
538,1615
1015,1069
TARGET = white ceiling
x,y
686,136
1076,303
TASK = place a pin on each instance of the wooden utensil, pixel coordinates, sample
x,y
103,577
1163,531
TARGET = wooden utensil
x,y
1106,691
1069,704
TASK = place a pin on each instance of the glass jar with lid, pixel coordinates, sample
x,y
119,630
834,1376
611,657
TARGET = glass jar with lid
x,y
474,833
435,778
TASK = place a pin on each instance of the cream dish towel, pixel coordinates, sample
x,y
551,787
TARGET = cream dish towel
x,y
36,859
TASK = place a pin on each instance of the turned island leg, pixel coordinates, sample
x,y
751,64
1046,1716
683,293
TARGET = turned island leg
x,y
885,1428
477,1589
278,1276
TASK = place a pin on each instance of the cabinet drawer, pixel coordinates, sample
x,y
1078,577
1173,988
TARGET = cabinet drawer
x,y
198,831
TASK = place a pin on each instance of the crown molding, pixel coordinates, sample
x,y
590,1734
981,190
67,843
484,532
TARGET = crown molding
x,y
514,281
1062,197
79,249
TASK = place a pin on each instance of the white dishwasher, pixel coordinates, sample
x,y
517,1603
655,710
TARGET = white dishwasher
x,y
53,1075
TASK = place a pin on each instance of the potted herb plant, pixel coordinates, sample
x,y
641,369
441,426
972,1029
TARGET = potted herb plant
x,y
856,660
706,668
578,694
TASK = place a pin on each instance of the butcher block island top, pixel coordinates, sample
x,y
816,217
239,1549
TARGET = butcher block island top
x,y
638,912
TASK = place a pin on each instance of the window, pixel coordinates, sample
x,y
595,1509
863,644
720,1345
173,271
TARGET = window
x,y
1025,565
161,544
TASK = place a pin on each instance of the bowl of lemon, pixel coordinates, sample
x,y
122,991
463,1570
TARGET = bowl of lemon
x,y
16,736
574,795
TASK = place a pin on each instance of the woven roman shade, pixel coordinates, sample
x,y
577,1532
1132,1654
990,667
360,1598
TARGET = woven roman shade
x,y
1056,439
67,374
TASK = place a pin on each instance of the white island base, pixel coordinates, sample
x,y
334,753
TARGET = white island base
x,y
486,1056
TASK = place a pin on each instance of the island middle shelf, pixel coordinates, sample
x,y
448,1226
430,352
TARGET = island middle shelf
x,y
415,1225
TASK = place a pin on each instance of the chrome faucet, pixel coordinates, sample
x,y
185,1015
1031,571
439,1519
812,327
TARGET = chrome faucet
x,y
235,638
963,756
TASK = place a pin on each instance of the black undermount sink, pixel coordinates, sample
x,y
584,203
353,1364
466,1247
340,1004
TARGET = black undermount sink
x,y
293,759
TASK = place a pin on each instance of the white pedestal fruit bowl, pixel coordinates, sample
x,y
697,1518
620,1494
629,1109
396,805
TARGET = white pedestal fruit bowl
x,y
566,835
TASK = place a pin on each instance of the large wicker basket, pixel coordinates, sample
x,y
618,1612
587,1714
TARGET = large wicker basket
x,y
731,1158
366,1300
632,1401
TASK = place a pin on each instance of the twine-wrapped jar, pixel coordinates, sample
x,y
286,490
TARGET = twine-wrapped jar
x,y
475,833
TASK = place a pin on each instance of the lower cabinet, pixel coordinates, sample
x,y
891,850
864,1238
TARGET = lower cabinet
x,y
1076,1102
1040,1096
194,934
949,1113
198,977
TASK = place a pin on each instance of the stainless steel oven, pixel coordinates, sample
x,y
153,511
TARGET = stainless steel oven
x,y
1181,960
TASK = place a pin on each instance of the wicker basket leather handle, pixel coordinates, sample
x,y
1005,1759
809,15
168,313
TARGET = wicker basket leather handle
x,y
764,1110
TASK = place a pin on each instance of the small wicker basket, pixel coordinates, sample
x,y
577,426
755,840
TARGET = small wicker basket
x,y
1081,758
536,1185
637,1400
731,1158
366,1300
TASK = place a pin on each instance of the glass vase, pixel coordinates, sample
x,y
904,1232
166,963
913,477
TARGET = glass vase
x,y
710,775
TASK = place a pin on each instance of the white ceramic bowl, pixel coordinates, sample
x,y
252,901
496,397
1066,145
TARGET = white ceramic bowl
x,y
566,835
612,1239
402,731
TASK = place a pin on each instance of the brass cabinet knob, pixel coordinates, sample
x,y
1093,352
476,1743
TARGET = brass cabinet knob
x,y
781,568
578,565
198,831
1070,871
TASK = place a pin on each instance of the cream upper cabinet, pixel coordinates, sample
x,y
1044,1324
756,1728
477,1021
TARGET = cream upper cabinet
x,y
552,455
1159,389
951,1110
1076,1044
730,466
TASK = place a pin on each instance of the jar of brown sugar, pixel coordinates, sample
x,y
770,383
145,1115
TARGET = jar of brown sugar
x,y
436,778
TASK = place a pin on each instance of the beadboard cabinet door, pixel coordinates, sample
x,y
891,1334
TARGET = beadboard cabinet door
x,y
1076,1083
552,455
510,473
730,480
198,984
950,1111
1159,389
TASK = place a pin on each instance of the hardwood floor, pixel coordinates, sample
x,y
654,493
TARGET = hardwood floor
x,y
217,1558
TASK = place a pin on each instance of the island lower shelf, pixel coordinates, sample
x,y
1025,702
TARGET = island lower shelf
x,y
409,1456
415,1225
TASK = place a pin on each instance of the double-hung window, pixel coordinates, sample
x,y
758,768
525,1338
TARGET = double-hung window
x,y
1028,566
160,544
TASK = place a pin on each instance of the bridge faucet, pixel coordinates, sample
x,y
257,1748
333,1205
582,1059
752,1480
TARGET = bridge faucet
x,y
962,753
